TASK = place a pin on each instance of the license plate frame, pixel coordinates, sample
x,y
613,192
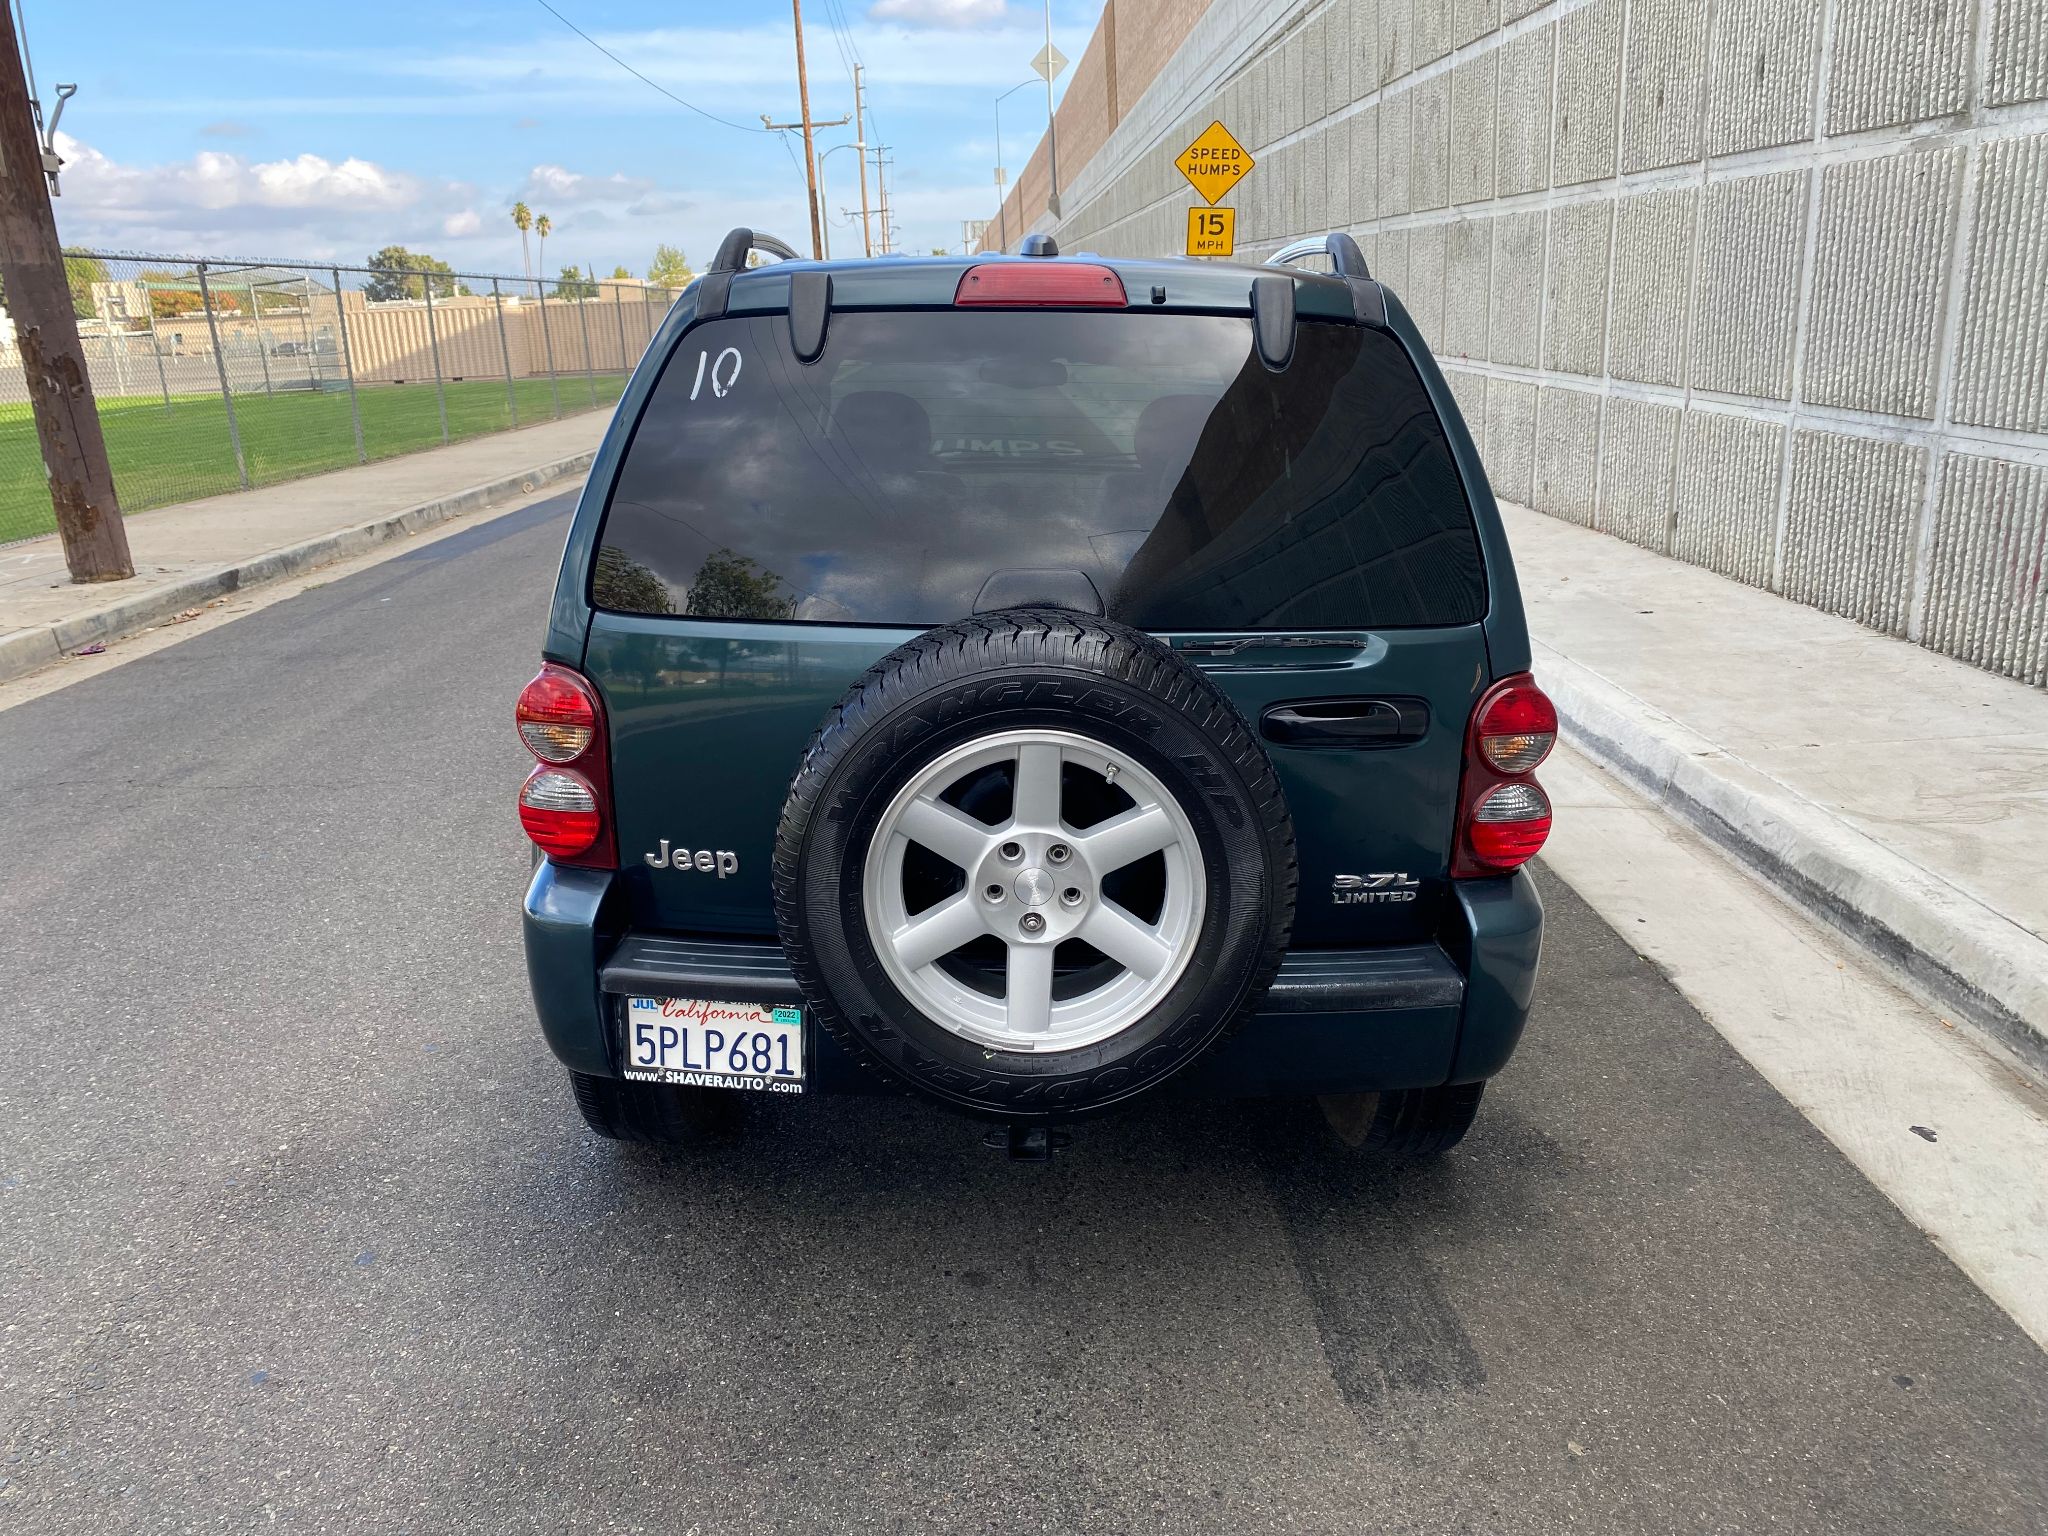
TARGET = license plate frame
x,y
697,1042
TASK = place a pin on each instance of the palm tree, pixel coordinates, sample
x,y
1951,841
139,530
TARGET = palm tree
x,y
541,226
522,220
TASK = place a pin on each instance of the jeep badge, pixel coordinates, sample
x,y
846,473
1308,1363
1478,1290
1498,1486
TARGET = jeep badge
x,y
705,860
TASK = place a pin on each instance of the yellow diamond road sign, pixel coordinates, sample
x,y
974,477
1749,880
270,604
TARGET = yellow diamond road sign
x,y
1212,231
1215,162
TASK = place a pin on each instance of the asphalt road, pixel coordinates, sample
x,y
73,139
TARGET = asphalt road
x,y
299,1230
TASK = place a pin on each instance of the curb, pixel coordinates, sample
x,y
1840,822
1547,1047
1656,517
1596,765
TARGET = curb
x,y
28,650
1959,954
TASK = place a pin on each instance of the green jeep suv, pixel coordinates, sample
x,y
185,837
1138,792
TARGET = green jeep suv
x,y
1034,682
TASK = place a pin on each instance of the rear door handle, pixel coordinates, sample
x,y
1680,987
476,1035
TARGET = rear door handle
x,y
1355,723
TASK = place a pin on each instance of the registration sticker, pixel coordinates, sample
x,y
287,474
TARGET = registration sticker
x,y
696,1042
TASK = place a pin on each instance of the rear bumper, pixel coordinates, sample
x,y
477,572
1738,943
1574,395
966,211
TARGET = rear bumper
x,y
1334,1021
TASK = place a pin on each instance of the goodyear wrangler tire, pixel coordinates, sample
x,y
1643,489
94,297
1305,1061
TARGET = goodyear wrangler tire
x,y
1033,864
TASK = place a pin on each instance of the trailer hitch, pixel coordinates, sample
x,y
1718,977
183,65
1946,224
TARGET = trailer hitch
x,y
1029,1143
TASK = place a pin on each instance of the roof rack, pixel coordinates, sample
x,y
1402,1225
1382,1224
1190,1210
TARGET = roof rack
x,y
1346,259
1368,303
733,251
734,248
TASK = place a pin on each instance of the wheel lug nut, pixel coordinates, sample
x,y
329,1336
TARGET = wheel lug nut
x,y
1031,922
1012,851
1070,897
1059,853
993,893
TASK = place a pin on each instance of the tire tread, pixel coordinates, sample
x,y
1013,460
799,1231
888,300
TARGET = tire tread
x,y
1049,638
1423,1122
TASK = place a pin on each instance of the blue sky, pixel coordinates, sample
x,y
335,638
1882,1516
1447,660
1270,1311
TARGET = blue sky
x,y
256,130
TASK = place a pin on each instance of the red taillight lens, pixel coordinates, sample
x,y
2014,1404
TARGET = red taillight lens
x,y
1503,814
1039,284
1510,825
557,715
567,812
1517,727
559,811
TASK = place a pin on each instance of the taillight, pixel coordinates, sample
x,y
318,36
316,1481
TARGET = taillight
x,y
1503,814
1517,727
559,811
557,715
565,803
1510,824
1041,285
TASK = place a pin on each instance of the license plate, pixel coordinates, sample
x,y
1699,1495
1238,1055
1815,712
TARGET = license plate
x,y
697,1042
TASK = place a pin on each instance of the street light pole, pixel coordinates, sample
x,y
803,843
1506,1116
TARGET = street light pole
x,y
808,124
1052,122
1002,199
824,199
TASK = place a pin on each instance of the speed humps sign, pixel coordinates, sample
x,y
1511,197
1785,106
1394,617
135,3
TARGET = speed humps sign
x,y
1212,231
1215,162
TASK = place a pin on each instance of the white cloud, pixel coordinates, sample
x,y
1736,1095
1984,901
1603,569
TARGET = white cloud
x,y
562,185
216,181
941,13
215,203
309,208
311,182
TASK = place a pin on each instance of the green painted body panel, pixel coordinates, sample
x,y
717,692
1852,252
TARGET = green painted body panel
x,y
1502,923
569,927
709,719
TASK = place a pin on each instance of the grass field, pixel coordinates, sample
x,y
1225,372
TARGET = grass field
x,y
162,456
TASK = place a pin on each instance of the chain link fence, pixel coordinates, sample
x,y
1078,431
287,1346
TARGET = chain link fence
x,y
215,376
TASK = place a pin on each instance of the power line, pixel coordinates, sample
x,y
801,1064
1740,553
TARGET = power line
x,y
836,19
849,51
783,138
629,69
19,13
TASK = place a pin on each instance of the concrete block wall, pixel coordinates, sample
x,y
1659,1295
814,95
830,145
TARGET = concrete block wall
x,y
1757,284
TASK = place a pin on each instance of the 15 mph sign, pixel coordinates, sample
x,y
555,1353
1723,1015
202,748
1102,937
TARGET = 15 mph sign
x,y
1215,162
1212,231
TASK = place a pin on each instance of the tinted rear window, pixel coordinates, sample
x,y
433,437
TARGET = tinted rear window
x,y
927,452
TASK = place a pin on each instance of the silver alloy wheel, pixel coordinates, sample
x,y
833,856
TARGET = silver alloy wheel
x,y
1033,882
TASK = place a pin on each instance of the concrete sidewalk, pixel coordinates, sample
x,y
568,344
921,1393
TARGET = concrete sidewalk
x,y
188,554
1898,795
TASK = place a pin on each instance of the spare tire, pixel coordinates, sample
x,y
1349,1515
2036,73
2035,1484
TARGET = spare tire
x,y
1033,864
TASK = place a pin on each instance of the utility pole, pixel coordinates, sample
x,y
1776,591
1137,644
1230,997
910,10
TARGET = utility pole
x,y
803,98
882,187
860,139
806,124
46,330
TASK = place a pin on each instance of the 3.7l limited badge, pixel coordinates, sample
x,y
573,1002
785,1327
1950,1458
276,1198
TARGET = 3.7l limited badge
x,y
1356,890
705,861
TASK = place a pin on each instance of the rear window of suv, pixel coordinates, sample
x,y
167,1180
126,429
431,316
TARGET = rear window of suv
x,y
927,452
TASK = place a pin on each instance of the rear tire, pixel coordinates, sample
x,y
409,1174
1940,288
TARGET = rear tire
x,y
1098,699
1404,1123
652,1113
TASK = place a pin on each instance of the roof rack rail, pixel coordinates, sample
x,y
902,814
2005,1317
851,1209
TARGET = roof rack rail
x,y
1346,259
716,284
1368,300
735,247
